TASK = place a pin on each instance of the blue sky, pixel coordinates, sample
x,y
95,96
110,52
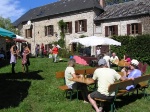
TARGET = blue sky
x,y
13,9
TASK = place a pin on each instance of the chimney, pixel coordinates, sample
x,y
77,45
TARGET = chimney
x,y
102,3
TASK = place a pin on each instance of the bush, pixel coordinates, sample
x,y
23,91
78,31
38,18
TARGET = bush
x,y
136,47
64,53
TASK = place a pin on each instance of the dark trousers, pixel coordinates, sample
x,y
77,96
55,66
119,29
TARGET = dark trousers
x,y
83,88
13,67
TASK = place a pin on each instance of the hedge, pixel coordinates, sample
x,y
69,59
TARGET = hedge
x,y
137,47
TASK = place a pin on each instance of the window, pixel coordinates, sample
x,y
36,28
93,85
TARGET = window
x,y
28,33
49,30
111,30
81,26
68,28
134,28
98,28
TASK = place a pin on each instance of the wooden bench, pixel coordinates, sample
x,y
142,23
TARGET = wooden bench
x,y
115,88
78,72
119,88
90,70
65,87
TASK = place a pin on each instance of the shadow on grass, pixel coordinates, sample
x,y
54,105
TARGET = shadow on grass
x,y
12,92
122,101
31,75
4,63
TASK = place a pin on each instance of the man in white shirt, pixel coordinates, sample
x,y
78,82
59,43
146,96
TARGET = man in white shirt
x,y
107,58
105,77
114,59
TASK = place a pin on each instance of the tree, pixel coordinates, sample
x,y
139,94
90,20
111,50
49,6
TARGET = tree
x,y
6,24
62,26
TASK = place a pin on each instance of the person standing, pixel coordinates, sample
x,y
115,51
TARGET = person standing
x,y
98,51
37,49
55,52
105,76
25,59
42,50
13,51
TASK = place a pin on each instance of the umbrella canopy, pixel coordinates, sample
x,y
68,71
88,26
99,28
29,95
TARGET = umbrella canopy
x,y
19,39
94,41
6,33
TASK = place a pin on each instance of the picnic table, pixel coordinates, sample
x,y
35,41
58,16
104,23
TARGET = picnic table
x,y
123,63
81,79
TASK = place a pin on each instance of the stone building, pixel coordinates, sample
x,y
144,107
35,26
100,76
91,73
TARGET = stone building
x,y
78,15
83,17
129,18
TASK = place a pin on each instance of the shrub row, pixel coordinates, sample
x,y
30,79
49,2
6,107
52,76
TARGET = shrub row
x,y
137,47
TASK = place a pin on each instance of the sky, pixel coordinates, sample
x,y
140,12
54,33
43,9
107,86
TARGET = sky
x,y
13,9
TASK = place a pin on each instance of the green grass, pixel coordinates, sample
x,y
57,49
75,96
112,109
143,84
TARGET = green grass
x,y
38,91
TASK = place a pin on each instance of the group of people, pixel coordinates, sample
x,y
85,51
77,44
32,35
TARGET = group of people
x,y
15,53
104,76
52,52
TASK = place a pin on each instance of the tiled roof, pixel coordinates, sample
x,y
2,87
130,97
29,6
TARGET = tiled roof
x,y
59,7
127,9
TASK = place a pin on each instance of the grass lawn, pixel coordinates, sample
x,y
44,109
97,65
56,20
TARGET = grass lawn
x,y
38,91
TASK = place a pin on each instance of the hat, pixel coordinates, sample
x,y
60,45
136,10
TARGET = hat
x,y
134,62
101,62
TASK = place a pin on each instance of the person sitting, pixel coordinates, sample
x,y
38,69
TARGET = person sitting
x,y
105,76
114,59
70,73
2,53
134,72
127,58
107,58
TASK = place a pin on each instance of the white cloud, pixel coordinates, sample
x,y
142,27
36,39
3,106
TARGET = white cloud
x,y
11,9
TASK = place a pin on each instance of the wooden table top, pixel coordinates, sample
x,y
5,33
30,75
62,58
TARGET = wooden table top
x,y
83,80
123,63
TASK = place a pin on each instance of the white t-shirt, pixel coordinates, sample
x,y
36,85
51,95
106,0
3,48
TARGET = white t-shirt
x,y
68,75
105,77
113,59
107,58
98,51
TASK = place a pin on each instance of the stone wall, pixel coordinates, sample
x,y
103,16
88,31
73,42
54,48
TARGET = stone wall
x,y
122,25
38,33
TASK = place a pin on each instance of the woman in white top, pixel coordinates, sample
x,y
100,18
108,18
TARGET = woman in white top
x,y
98,51
70,73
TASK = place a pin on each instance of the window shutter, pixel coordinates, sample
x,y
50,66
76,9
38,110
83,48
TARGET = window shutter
x,y
116,30
45,31
139,28
128,29
70,27
26,33
46,47
52,30
76,26
31,33
106,31
85,25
